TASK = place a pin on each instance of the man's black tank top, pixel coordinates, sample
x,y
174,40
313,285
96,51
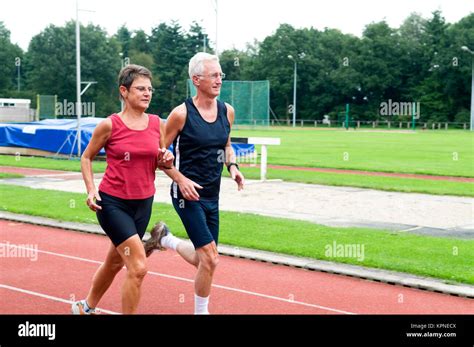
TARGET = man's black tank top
x,y
199,150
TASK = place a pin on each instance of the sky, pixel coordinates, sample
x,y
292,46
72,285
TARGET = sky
x,y
239,21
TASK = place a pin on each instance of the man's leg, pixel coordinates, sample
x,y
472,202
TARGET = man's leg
x,y
186,250
208,260
203,253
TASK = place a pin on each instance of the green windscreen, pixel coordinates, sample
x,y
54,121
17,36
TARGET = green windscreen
x,y
46,106
250,99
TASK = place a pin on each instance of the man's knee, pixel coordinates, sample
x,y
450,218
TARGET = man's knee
x,y
209,257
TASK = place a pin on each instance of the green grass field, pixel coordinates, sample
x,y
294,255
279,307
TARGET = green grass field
x,y
48,163
449,153
445,153
396,184
9,175
448,259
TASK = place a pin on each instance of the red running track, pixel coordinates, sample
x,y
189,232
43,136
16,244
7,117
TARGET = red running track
x,y
45,282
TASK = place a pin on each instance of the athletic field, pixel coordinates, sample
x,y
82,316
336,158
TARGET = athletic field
x,y
445,153
432,153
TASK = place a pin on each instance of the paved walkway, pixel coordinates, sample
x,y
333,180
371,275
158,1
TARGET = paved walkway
x,y
444,216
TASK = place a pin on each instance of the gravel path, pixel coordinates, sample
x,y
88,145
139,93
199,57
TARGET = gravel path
x,y
333,206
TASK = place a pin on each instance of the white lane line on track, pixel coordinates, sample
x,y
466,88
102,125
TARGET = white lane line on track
x,y
271,297
49,297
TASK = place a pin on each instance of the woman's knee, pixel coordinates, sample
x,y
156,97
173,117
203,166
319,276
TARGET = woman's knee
x,y
114,262
114,266
137,270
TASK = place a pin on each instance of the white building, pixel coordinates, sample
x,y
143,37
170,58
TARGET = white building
x,y
15,110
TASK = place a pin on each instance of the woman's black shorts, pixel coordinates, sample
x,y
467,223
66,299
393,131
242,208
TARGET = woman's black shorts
x,y
122,219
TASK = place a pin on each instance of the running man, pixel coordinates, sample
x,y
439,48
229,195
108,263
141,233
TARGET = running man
x,y
134,144
200,132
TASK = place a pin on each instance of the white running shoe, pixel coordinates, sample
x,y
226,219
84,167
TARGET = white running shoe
x,y
78,308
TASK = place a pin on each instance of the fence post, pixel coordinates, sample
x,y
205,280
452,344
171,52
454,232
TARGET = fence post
x,y
302,123
315,123
446,126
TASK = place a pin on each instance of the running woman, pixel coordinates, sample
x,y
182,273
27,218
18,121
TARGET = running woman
x,y
134,145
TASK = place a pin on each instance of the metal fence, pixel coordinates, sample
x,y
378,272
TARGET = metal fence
x,y
357,124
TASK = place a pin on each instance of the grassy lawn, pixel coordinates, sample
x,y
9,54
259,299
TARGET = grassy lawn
x,y
48,163
409,185
448,259
448,153
9,175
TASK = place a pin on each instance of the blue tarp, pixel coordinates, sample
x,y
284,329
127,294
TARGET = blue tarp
x,y
52,135
59,136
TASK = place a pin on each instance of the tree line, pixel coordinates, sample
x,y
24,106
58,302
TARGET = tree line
x,y
419,62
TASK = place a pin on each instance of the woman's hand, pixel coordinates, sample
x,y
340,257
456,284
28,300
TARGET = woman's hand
x,y
92,197
165,159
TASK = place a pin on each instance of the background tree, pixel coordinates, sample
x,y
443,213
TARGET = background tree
x,y
8,53
421,61
52,65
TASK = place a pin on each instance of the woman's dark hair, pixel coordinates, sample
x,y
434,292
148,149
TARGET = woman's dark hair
x,y
130,72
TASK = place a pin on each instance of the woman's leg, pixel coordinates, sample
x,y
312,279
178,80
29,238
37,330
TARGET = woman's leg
x,y
104,276
133,255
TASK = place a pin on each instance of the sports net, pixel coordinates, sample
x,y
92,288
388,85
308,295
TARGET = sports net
x,y
250,99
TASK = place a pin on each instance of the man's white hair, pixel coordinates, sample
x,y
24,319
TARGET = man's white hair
x,y
196,64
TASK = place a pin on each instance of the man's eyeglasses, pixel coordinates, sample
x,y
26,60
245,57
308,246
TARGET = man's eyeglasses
x,y
143,89
214,76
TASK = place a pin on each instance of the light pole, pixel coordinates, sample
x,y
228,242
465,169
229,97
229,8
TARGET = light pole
x,y
301,56
18,65
125,62
295,73
466,49
78,78
216,5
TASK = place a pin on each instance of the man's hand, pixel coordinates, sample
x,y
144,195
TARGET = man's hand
x,y
238,177
188,189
